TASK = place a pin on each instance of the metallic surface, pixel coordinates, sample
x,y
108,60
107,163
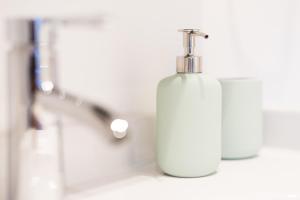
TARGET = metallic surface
x,y
34,92
189,63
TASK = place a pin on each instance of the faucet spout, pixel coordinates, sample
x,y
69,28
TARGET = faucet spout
x,y
65,103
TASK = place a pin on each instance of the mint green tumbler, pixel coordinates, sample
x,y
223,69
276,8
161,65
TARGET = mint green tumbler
x,y
241,117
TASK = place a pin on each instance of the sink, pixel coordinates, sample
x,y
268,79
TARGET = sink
x,y
274,175
94,169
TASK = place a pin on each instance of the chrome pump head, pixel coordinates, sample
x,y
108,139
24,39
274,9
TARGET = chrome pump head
x,y
189,63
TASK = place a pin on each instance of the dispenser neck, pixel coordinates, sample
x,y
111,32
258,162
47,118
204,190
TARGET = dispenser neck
x,y
188,64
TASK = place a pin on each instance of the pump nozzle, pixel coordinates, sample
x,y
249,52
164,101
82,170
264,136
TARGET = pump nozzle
x,y
189,39
189,63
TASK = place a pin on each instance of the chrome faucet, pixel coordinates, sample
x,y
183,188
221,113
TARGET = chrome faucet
x,y
36,101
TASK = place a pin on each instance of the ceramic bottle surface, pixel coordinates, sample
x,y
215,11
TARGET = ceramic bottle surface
x,y
188,123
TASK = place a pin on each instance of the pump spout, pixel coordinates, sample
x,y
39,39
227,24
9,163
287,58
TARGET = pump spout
x,y
189,63
189,39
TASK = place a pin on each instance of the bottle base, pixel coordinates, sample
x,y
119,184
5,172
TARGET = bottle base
x,y
190,176
239,157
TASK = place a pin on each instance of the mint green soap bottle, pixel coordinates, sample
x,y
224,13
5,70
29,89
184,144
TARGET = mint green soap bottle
x,y
188,140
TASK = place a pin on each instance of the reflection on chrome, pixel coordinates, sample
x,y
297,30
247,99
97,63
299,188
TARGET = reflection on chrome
x,y
119,128
47,86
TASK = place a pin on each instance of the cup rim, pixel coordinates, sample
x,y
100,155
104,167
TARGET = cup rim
x,y
233,79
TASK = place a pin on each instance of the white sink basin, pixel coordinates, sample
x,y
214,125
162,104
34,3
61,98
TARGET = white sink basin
x,y
274,175
96,168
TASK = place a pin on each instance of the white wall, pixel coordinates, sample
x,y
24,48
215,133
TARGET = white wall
x,y
258,38
120,64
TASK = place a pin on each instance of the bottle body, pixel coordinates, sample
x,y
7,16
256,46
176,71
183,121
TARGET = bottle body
x,y
188,125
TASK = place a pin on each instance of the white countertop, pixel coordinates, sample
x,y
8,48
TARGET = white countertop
x,y
274,174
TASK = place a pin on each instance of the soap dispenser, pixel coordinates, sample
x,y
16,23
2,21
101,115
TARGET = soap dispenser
x,y
188,126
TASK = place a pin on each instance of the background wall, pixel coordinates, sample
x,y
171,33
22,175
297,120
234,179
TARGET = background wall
x,y
120,64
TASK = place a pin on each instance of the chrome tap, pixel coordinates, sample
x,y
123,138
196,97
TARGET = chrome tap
x,y
34,90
